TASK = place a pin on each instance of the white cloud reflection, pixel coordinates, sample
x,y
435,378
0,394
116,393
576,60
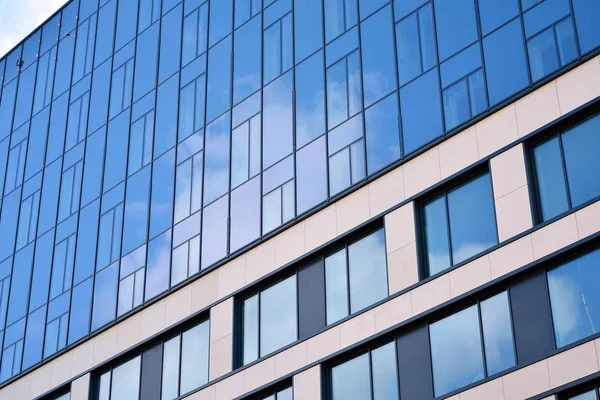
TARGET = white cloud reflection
x,y
19,18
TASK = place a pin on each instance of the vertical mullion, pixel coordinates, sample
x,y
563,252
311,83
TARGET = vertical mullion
x,y
564,170
362,99
397,75
230,113
575,33
480,40
437,68
349,300
482,338
448,230
520,17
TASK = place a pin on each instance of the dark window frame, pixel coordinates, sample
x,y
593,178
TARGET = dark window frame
x,y
271,391
555,131
293,270
443,191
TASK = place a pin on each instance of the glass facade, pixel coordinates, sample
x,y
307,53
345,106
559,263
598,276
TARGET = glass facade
x,y
143,141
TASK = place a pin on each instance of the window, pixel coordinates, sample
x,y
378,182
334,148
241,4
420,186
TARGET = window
x,y
574,298
459,224
185,362
122,382
270,320
589,395
373,375
460,356
567,168
356,276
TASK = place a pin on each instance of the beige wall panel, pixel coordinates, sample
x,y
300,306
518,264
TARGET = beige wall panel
x,y
458,152
431,294
508,171
323,344
178,306
83,357
105,346
393,312
60,369
387,191
573,364
357,328
352,210
260,261
513,214
129,332
289,245
230,388
221,320
470,276
221,357
588,220
307,384
492,390
80,388
511,257
579,85
555,236
232,276
205,394
422,172
400,227
204,291
320,228
537,109
154,319
497,131
39,381
403,268
290,360
527,382
259,374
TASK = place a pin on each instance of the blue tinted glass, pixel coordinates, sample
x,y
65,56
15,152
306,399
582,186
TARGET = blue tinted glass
x,y
565,37
456,353
99,97
278,316
245,214
550,179
547,12
159,259
308,27
311,165
505,63
337,93
105,296
7,108
460,65
336,286
582,160
436,236
37,144
34,338
310,100
367,267
41,271
126,22
456,104
161,209
116,151
383,137
87,237
136,210
19,287
146,64
105,34
421,111
170,44
340,15
385,373
472,218
247,65
456,25
165,130
24,97
58,126
79,324
49,198
195,33
8,223
588,30
221,20
574,298
409,52
214,231
543,56
216,163
277,120
351,380
497,334
219,79
494,13
64,65
377,38
92,171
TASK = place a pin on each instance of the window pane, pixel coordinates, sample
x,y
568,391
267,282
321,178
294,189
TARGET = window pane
x,y
170,369
194,358
250,334
497,334
126,381
377,38
336,286
247,50
368,271
494,13
385,374
472,218
277,120
310,100
550,179
505,63
219,77
591,395
311,164
588,29
221,19
278,316
456,25
456,355
436,236
575,299
383,138
582,160
351,380
308,27
543,57
245,214
159,258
